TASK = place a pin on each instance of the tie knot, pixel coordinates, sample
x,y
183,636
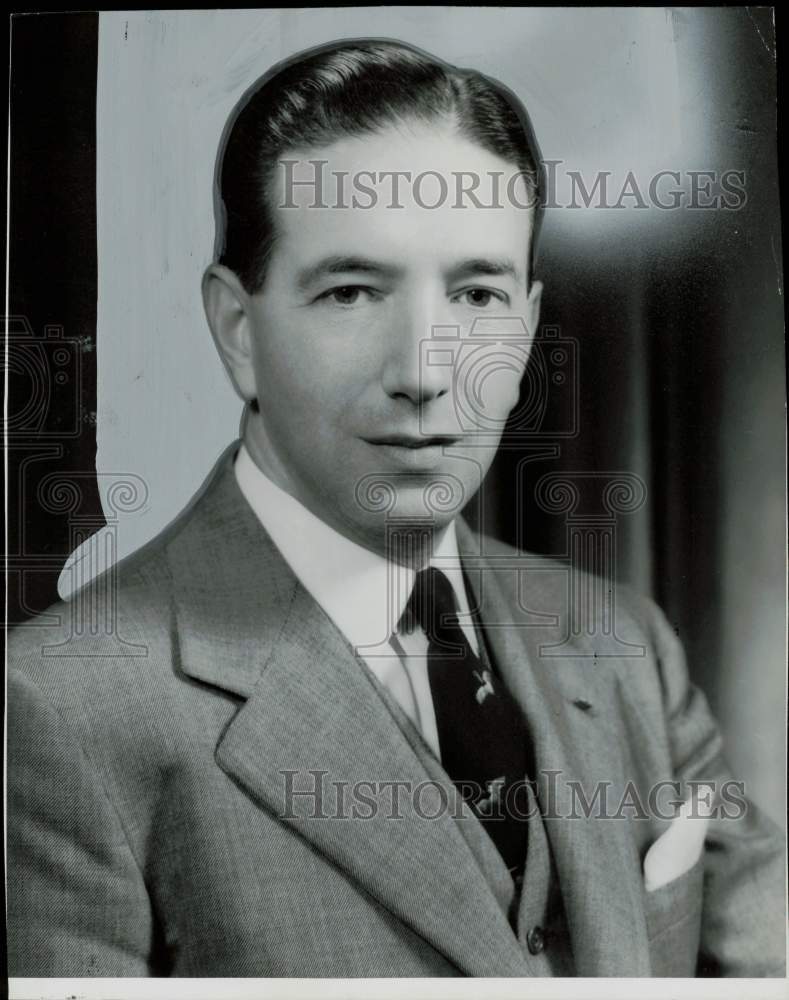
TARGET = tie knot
x,y
432,603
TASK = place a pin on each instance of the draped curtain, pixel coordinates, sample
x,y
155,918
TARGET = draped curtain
x,y
681,381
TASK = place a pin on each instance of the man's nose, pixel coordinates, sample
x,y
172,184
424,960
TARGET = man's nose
x,y
412,369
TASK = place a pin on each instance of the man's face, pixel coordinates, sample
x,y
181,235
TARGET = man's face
x,y
360,417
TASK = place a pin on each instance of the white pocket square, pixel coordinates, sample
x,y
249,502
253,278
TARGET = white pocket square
x,y
679,848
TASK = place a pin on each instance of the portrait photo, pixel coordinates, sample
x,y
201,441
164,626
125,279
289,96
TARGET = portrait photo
x,y
396,503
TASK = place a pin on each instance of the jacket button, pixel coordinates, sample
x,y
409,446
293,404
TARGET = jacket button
x,y
535,940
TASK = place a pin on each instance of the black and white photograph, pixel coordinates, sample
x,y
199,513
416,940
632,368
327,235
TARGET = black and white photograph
x,y
395,435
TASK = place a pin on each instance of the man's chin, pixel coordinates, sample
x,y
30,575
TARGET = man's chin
x,y
427,501
402,519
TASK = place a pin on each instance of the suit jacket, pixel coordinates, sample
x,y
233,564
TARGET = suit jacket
x,y
150,830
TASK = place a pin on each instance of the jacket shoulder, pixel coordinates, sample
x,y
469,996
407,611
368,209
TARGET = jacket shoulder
x,y
556,583
123,616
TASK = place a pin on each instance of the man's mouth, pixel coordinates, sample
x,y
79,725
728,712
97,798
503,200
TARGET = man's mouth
x,y
416,453
413,441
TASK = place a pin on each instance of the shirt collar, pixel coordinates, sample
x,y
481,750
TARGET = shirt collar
x,y
362,592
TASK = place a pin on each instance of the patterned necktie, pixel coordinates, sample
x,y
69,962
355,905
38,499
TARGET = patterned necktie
x,y
483,737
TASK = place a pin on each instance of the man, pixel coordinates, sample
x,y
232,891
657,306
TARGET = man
x,y
340,741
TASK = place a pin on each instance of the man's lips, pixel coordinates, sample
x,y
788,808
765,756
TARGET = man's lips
x,y
413,441
412,453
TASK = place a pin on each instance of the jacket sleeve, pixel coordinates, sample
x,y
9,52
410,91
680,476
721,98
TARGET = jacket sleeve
x,y
77,905
744,925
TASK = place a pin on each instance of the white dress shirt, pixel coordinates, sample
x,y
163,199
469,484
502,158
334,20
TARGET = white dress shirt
x,y
362,592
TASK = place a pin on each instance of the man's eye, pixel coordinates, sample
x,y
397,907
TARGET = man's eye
x,y
479,298
347,295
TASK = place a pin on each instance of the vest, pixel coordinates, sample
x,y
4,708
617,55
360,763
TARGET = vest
x,y
536,912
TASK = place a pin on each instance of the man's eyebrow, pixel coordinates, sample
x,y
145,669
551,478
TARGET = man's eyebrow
x,y
340,264
485,265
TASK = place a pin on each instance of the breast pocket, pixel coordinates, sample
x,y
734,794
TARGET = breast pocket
x,y
673,917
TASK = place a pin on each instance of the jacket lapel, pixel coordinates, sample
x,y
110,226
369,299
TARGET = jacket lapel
x,y
488,858
570,704
313,718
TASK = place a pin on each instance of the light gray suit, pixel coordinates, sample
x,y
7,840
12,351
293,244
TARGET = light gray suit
x,y
146,792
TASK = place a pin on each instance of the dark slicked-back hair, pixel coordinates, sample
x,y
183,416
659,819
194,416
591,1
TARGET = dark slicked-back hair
x,y
349,89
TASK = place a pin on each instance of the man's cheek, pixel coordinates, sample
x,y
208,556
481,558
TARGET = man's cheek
x,y
494,392
505,389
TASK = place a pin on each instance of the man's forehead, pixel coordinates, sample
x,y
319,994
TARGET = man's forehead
x,y
397,193
389,243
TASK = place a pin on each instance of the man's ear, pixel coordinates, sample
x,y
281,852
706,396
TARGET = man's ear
x,y
533,308
226,304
